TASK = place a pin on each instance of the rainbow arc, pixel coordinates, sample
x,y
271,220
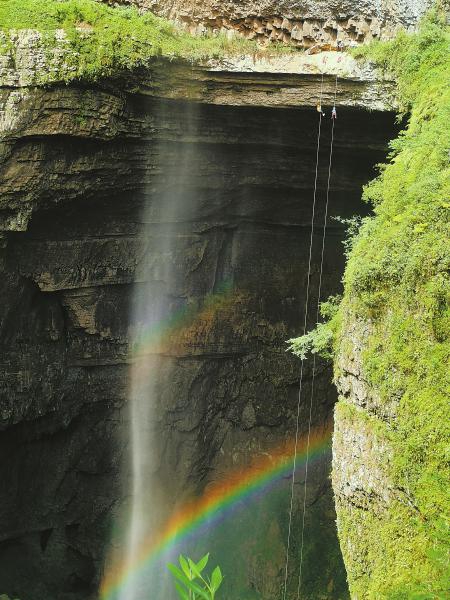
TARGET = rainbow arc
x,y
217,503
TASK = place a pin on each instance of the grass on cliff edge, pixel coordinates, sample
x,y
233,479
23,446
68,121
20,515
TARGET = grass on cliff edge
x,y
397,284
106,41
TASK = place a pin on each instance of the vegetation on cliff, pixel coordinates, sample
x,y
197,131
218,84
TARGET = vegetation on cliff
x,y
99,41
397,284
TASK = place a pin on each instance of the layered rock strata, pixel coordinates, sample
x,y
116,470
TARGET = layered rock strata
x,y
78,165
279,80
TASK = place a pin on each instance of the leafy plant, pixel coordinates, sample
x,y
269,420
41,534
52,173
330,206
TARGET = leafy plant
x,y
321,339
317,341
191,583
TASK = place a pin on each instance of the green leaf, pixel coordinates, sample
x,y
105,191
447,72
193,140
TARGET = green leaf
x,y
204,589
194,569
178,574
188,582
202,563
197,590
216,579
181,591
185,566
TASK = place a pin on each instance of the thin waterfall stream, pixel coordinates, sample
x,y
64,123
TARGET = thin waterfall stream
x,y
220,257
157,304
167,323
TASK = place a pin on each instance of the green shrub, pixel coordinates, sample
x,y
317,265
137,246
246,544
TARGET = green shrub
x,y
319,340
191,583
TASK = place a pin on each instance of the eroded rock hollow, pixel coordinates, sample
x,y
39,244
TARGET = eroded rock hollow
x,y
77,174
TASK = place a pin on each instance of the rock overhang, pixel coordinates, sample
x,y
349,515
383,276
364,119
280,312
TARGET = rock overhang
x,y
95,141
271,79
101,110
293,80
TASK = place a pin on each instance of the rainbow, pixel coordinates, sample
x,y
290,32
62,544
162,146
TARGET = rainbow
x,y
179,327
216,503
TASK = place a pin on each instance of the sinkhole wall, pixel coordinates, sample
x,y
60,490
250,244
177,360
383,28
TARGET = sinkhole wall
x,y
79,164
300,24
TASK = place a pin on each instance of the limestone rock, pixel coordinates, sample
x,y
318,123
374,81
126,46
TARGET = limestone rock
x,y
78,165
350,21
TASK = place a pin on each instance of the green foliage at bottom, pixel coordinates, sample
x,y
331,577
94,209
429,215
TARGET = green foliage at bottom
x,y
190,581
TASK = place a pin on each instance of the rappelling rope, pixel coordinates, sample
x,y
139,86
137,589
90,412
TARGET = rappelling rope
x,y
322,252
297,423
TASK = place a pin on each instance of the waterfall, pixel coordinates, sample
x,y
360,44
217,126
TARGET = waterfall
x,y
219,252
157,299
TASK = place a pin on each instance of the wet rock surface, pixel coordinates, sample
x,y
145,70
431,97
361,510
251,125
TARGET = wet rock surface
x,y
73,250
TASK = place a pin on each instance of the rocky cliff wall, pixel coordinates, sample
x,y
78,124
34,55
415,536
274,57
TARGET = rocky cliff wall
x,y
304,25
78,166
390,468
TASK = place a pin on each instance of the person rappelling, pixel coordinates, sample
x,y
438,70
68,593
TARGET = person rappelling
x,y
334,113
319,109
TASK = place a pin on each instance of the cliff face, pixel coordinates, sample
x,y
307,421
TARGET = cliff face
x,y
78,166
390,468
303,24
364,490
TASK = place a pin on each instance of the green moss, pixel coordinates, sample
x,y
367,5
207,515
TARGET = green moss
x,y
104,41
397,282
356,415
397,279
398,525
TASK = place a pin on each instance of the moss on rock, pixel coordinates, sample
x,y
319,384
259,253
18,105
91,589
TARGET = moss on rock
x,y
85,39
396,282
390,340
